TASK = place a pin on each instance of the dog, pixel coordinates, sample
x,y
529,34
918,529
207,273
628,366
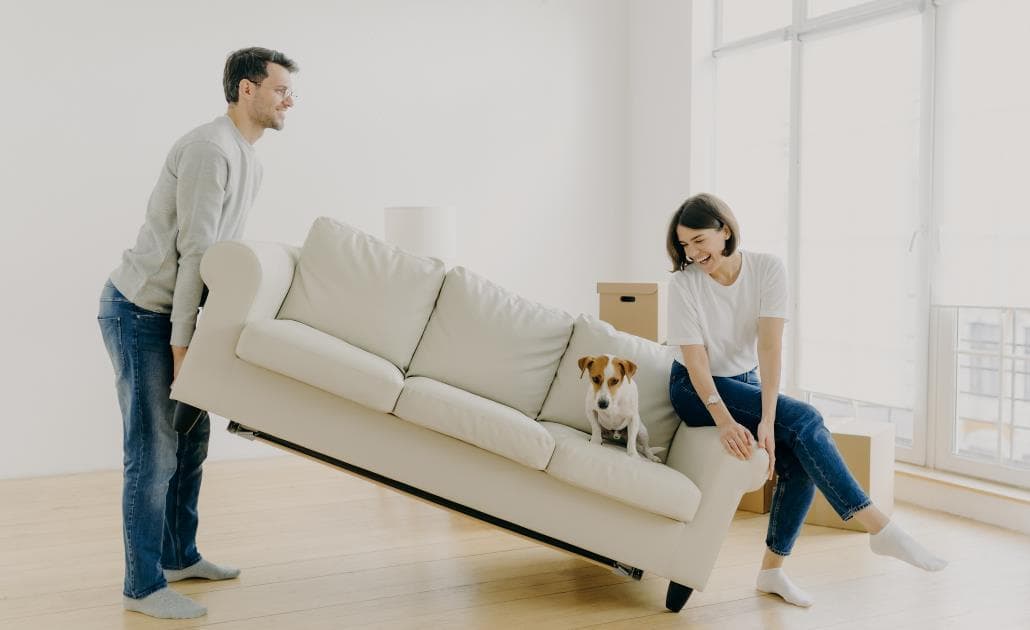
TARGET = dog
x,y
612,404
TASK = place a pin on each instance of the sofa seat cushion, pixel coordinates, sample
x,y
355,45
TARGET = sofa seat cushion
x,y
607,470
481,422
565,402
369,293
321,360
491,342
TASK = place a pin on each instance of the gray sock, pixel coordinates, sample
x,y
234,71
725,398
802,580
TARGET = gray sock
x,y
204,570
165,604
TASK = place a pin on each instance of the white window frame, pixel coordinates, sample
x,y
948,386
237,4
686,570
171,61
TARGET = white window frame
x,y
945,361
708,47
934,410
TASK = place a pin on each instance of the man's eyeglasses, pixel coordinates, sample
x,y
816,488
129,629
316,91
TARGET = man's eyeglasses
x,y
283,92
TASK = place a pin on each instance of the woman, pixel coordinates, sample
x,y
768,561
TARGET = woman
x,y
727,308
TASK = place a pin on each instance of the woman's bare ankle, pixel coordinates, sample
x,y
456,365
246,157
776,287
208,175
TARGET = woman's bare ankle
x,y
772,560
872,518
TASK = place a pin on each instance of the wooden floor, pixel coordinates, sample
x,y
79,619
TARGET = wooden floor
x,y
322,549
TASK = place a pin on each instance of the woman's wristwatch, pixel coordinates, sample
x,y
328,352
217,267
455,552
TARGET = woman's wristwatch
x,y
712,400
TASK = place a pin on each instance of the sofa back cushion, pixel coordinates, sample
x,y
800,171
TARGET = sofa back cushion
x,y
362,290
492,342
566,402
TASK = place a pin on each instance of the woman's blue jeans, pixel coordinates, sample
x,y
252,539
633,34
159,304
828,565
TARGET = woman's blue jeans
x,y
806,456
162,469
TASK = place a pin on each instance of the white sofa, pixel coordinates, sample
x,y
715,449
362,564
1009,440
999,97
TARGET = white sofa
x,y
445,386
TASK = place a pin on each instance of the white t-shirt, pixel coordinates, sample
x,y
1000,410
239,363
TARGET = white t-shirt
x,y
725,319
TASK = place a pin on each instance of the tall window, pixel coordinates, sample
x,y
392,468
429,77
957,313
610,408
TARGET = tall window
x,y
881,148
859,208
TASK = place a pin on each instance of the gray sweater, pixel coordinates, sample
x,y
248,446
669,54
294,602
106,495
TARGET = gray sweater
x,y
203,196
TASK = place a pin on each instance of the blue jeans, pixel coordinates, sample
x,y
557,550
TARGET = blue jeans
x,y
162,469
806,456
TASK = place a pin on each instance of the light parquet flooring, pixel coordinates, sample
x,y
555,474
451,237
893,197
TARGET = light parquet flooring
x,y
321,549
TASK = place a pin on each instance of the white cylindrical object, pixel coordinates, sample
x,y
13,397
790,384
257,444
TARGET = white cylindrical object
x,y
423,230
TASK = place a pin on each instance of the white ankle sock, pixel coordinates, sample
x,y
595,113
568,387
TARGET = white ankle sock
x,y
204,570
893,541
165,604
776,581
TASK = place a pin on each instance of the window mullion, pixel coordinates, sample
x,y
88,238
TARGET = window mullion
x,y
770,37
1000,424
1011,313
870,12
926,392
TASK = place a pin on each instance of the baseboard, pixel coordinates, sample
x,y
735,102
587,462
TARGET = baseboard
x,y
974,499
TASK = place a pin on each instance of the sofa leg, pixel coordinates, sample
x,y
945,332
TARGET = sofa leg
x,y
677,596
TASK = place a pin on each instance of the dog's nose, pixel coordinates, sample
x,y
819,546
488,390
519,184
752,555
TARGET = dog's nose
x,y
603,403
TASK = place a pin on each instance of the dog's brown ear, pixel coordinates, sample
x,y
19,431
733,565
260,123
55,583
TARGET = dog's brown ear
x,y
584,364
629,368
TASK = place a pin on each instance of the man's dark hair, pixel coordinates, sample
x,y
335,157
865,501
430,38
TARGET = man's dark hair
x,y
250,63
700,212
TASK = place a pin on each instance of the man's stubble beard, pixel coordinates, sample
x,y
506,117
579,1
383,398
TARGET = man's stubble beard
x,y
267,120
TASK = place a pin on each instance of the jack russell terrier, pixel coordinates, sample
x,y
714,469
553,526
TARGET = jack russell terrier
x,y
612,404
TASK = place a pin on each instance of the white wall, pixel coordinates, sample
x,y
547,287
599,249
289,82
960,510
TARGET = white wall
x,y
513,112
660,108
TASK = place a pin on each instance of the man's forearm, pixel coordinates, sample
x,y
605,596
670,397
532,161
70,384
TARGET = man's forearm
x,y
189,287
178,356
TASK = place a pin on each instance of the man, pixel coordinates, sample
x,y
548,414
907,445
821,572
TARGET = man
x,y
148,312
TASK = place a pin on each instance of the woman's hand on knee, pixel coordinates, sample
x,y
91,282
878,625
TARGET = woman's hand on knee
x,y
736,439
767,440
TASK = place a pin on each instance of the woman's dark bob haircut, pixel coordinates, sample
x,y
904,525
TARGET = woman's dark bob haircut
x,y
700,212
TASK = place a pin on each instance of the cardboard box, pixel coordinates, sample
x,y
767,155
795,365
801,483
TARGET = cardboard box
x,y
637,308
868,449
758,501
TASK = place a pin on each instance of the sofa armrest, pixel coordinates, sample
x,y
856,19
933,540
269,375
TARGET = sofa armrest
x,y
723,479
246,281
697,453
